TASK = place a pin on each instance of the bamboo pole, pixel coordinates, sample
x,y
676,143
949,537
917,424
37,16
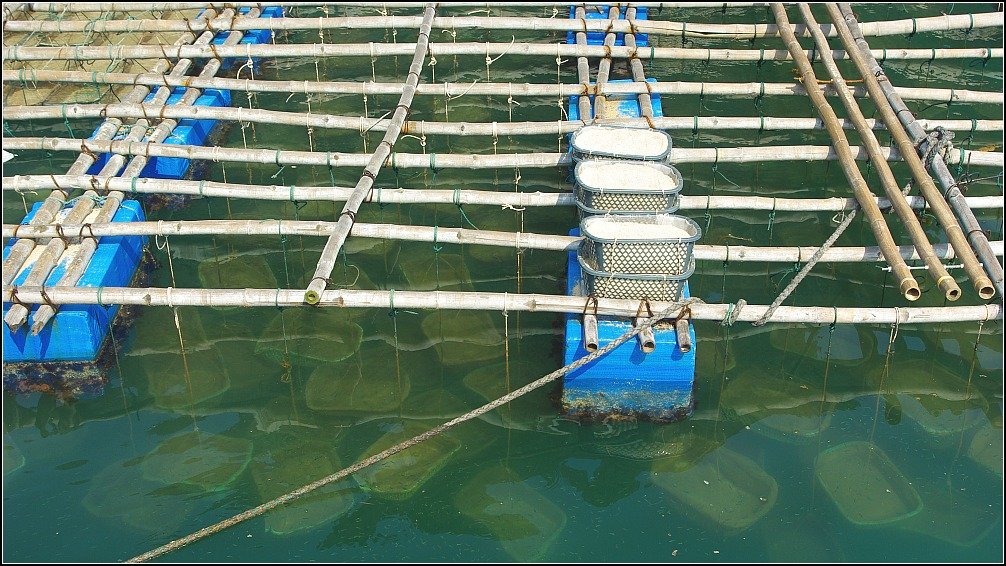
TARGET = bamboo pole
x,y
455,160
78,265
444,235
944,281
952,193
330,253
638,74
683,335
940,208
582,72
656,27
355,123
515,49
20,251
70,7
300,193
509,302
489,89
604,66
908,287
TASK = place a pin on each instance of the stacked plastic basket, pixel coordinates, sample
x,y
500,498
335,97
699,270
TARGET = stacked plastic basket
x,y
634,247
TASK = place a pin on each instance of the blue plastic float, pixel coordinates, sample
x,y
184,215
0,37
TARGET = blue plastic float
x,y
601,13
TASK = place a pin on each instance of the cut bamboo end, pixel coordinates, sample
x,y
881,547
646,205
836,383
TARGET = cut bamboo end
x,y
312,297
910,289
590,339
984,288
683,335
951,290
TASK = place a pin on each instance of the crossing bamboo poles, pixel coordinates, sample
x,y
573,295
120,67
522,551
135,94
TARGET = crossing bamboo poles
x,y
604,66
887,101
400,195
944,281
582,72
907,285
488,88
75,269
638,75
348,215
54,202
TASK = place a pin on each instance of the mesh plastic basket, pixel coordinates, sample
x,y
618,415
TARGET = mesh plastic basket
x,y
626,187
620,142
627,286
639,244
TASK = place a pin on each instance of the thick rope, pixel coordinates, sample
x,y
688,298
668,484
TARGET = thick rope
x,y
806,269
283,499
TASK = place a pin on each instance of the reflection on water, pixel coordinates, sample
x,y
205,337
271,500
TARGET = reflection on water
x,y
266,400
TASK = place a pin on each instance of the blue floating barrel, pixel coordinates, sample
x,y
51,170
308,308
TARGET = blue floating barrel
x,y
600,12
78,332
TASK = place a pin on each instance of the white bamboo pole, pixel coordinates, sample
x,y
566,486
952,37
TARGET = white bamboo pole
x,y
332,121
54,203
330,253
604,65
489,89
455,160
944,281
504,302
445,235
71,7
515,49
399,195
582,71
656,27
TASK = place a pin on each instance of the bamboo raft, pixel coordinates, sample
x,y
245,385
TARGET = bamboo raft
x,y
968,243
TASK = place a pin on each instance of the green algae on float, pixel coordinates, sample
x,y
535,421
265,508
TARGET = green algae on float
x,y
285,462
798,426
121,491
922,377
156,331
724,488
179,383
524,521
865,485
309,336
204,460
753,392
400,475
371,381
677,450
462,336
490,383
986,449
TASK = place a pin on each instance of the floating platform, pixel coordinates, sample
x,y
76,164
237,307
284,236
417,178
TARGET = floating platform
x,y
600,12
657,386
77,332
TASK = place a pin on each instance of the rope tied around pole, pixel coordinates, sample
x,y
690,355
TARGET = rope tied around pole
x,y
939,140
537,384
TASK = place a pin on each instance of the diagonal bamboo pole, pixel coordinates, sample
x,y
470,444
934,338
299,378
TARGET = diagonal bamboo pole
x,y
488,88
348,215
944,281
886,101
302,193
907,285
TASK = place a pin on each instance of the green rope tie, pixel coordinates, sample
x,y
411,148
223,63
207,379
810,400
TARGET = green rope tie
x,y
391,300
281,167
132,185
771,219
436,248
651,55
457,202
202,183
291,194
66,121
695,125
99,297
914,28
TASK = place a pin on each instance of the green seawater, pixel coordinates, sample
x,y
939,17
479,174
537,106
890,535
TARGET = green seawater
x,y
272,399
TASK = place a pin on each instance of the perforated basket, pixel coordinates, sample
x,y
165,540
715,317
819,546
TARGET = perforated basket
x,y
620,142
639,244
626,187
627,286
